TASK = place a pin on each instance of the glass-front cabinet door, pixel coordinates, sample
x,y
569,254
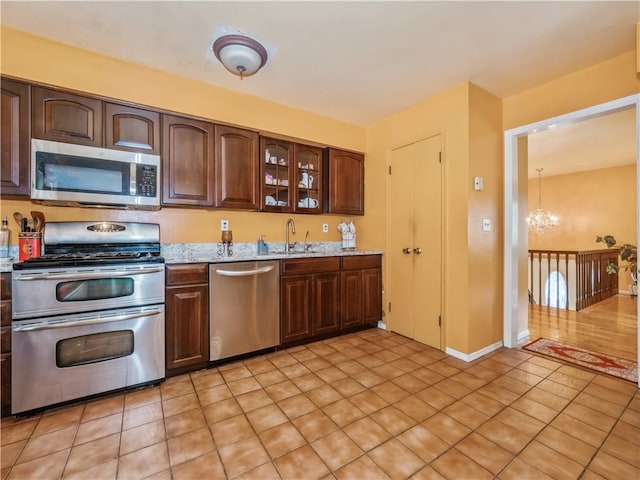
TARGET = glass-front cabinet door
x,y
308,175
277,162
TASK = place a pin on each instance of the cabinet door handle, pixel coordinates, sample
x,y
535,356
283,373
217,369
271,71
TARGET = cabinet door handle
x,y
406,251
417,251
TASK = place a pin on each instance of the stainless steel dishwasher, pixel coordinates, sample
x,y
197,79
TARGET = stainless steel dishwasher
x,y
244,307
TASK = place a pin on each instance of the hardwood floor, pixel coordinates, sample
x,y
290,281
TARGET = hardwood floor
x,y
609,326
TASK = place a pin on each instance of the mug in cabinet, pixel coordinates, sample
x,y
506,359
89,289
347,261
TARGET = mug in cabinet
x,y
308,203
307,180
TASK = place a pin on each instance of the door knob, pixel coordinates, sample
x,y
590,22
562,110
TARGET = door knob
x,y
406,251
417,251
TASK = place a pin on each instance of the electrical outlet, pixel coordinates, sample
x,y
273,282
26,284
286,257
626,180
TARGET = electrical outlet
x,y
325,228
224,225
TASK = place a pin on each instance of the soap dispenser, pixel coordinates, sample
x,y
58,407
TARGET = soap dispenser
x,y
261,246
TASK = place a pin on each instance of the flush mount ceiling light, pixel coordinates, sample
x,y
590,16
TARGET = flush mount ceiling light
x,y
240,54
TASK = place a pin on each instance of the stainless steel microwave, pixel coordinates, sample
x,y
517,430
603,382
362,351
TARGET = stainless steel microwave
x,y
78,175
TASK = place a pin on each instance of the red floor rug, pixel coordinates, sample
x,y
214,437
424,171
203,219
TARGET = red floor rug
x,y
601,363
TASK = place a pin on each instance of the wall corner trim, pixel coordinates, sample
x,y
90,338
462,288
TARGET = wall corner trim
x,y
523,336
470,357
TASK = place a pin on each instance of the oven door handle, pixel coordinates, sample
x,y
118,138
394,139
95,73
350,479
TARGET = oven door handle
x,y
89,275
91,321
244,273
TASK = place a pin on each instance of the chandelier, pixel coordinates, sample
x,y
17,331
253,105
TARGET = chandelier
x,y
539,220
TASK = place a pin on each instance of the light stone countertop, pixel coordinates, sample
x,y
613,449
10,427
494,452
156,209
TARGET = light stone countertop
x,y
208,252
174,253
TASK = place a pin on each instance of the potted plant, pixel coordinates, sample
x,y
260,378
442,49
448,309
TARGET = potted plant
x,y
628,254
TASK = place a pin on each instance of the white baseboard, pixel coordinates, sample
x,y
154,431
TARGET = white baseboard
x,y
523,337
469,357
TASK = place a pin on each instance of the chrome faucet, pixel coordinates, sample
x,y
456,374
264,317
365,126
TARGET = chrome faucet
x,y
307,245
288,246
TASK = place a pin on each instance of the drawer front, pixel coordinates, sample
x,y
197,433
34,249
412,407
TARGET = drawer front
x,y
310,265
5,339
187,274
5,313
5,286
358,262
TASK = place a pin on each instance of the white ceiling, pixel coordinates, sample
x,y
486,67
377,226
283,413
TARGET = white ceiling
x,y
357,61
601,142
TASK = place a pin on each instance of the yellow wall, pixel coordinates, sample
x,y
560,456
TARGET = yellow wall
x,y
609,80
469,121
588,204
485,248
591,203
444,114
40,60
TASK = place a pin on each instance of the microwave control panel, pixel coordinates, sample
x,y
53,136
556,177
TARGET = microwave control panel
x,y
146,180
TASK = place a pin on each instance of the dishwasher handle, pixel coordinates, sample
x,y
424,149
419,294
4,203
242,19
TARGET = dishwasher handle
x,y
244,273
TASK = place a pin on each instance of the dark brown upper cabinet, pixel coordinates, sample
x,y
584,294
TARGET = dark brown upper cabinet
x,y
79,119
291,177
66,117
308,176
276,177
187,161
132,129
14,143
344,182
236,168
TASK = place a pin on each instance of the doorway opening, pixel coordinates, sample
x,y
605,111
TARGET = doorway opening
x,y
515,241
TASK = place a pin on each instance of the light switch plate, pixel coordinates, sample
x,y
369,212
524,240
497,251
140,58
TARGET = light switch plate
x,y
224,225
486,224
478,183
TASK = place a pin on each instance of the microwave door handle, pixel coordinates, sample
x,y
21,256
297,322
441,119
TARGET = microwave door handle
x,y
88,275
91,321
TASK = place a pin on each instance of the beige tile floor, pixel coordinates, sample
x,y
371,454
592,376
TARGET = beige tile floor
x,y
370,405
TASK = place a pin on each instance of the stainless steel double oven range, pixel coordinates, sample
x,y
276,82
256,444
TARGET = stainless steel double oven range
x,y
88,315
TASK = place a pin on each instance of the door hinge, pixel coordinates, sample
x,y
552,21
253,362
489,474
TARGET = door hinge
x,y
389,169
439,320
440,157
389,307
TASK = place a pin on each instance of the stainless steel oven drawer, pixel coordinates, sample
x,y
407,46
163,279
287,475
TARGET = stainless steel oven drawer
x,y
63,358
57,291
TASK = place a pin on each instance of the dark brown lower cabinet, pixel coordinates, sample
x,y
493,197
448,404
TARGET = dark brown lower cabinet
x,y
186,318
361,284
323,296
295,308
5,342
309,298
326,303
